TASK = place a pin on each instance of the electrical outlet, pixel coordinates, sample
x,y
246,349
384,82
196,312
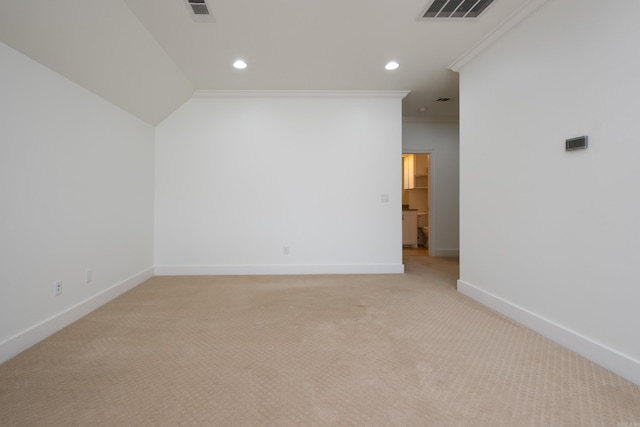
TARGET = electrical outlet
x,y
89,276
57,286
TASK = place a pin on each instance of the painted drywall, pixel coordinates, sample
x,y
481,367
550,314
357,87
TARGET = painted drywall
x,y
442,141
242,178
76,193
101,46
552,237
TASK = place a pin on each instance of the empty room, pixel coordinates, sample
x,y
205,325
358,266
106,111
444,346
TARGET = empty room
x,y
406,213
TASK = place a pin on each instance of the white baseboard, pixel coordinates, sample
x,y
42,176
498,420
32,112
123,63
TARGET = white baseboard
x,y
610,359
447,252
25,339
252,270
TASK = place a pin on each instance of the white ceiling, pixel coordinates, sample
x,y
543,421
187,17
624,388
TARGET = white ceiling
x,y
148,56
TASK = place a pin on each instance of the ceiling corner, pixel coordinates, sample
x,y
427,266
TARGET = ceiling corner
x,y
512,21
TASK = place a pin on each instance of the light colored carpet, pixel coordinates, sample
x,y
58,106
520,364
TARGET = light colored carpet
x,y
360,350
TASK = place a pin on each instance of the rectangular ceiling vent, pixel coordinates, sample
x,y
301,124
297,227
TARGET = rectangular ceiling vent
x,y
199,10
455,9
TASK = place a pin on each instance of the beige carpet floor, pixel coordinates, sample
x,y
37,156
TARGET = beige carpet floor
x,y
357,350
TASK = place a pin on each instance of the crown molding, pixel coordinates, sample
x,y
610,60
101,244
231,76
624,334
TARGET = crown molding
x,y
516,18
398,94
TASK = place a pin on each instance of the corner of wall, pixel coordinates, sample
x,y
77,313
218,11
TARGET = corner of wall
x,y
589,349
22,341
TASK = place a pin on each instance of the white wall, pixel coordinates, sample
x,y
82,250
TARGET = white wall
x,y
241,176
552,238
442,141
76,193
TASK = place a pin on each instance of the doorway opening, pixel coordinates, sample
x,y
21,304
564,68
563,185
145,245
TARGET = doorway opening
x,y
416,203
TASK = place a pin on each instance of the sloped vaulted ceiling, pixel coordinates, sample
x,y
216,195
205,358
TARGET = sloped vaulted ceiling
x,y
148,56
101,46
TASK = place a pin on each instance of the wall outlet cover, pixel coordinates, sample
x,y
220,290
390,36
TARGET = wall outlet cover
x,y
57,288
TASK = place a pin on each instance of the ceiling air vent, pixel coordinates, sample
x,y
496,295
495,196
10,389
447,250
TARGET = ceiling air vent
x,y
199,10
455,9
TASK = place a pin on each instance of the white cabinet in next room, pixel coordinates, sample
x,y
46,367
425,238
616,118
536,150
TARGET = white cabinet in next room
x,y
410,228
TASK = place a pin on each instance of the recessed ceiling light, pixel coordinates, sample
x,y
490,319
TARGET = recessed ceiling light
x,y
392,65
240,64
422,109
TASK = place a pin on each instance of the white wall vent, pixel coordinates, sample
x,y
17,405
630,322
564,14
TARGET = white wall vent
x,y
455,9
199,10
